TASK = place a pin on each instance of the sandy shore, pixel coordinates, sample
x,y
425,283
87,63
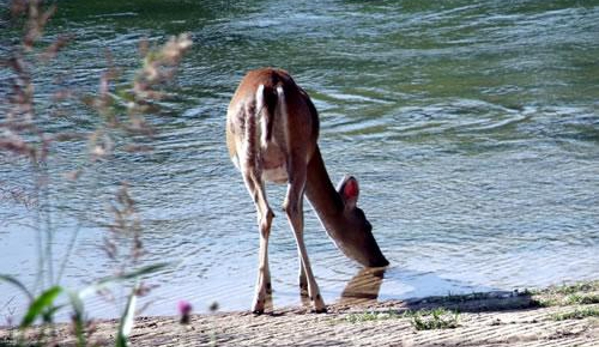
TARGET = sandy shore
x,y
558,316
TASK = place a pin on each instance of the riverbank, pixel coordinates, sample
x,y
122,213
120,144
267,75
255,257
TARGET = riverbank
x,y
558,316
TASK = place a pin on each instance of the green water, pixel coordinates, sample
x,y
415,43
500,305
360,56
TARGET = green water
x,y
473,128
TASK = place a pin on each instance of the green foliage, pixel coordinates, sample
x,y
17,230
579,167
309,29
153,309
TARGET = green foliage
x,y
581,293
371,316
126,324
578,287
547,302
439,318
78,318
25,132
579,313
42,306
582,299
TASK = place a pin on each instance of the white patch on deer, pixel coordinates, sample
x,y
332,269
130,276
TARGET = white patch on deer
x,y
273,157
260,105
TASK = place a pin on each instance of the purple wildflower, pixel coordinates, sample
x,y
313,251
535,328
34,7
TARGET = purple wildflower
x,y
184,311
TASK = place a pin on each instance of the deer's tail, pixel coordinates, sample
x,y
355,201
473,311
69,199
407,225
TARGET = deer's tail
x,y
269,101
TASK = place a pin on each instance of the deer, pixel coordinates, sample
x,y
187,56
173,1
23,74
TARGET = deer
x,y
272,130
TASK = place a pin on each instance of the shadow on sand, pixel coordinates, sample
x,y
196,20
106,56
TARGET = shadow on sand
x,y
362,291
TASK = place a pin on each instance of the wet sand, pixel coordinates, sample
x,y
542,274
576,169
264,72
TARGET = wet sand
x,y
557,316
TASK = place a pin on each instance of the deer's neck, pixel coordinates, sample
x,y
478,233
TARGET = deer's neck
x,y
322,194
356,243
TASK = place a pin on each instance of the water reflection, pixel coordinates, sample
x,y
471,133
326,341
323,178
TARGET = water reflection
x,y
363,288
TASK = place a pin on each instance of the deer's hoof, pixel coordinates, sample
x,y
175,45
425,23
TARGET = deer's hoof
x,y
258,307
303,291
319,310
303,286
318,304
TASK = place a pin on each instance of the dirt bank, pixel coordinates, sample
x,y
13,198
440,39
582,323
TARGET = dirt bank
x,y
558,316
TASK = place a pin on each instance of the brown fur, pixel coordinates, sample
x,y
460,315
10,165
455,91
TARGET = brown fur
x,y
288,153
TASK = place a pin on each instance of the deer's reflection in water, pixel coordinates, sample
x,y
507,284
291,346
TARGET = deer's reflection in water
x,y
363,288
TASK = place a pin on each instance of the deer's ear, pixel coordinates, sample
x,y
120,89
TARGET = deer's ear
x,y
349,190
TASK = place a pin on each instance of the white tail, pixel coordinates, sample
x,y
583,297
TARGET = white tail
x,y
283,149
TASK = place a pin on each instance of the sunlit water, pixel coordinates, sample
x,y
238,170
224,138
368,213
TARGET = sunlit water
x,y
472,126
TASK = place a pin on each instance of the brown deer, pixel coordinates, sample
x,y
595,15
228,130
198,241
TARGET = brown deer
x,y
272,132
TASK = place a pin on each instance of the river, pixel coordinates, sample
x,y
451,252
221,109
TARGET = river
x,y
472,126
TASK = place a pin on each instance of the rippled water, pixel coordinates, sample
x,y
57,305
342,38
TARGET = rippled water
x,y
473,127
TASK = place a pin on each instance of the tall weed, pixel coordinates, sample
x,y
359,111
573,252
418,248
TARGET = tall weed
x,y
25,134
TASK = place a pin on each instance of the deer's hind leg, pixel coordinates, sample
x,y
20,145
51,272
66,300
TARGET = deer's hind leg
x,y
265,216
251,170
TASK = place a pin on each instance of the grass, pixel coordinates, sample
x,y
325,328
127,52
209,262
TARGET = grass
x,y
581,293
579,313
439,318
568,289
547,302
28,131
582,299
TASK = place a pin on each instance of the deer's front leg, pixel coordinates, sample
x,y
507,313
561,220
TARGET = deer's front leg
x,y
293,207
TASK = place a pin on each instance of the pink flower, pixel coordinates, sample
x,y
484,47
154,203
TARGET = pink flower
x,y
184,310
